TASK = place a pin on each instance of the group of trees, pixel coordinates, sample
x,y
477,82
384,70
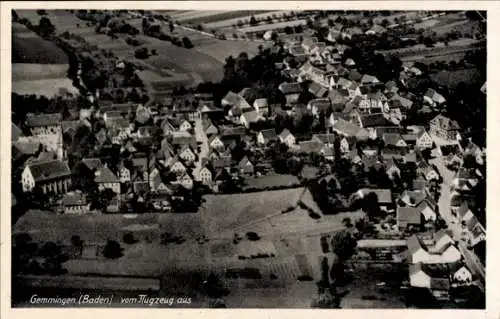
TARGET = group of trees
x,y
28,257
342,246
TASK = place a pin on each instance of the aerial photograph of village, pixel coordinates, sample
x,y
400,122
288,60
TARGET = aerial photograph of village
x,y
248,159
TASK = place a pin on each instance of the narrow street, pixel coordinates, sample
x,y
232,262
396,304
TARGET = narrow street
x,y
470,258
200,137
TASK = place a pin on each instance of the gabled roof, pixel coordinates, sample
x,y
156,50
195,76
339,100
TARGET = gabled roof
x,y
244,161
105,175
16,132
445,122
290,88
369,79
324,138
268,134
408,215
317,89
374,120
284,134
414,244
29,147
44,120
92,163
346,128
391,138
384,196
322,105
47,170
434,95
311,146
435,271
251,116
343,82
231,98
260,103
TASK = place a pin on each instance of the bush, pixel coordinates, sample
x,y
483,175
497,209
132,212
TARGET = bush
x,y
141,53
112,250
252,236
186,42
129,239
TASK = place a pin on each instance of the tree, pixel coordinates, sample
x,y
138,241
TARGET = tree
x,y
343,245
187,43
253,21
54,258
112,250
428,42
214,287
77,243
385,23
171,26
46,28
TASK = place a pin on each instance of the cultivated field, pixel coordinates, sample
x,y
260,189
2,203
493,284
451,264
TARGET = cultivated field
x,y
32,71
38,66
229,21
222,213
28,47
48,87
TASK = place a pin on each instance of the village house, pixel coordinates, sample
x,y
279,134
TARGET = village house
x,y
433,98
461,275
287,138
75,203
319,106
205,175
250,117
266,136
184,180
476,232
47,129
391,168
464,180
376,29
123,173
216,143
245,167
393,140
291,91
106,179
384,197
50,177
428,172
261,106
187,154
345,128
436,278
176,166
349,33
209,128
419,253
444,128
424,140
